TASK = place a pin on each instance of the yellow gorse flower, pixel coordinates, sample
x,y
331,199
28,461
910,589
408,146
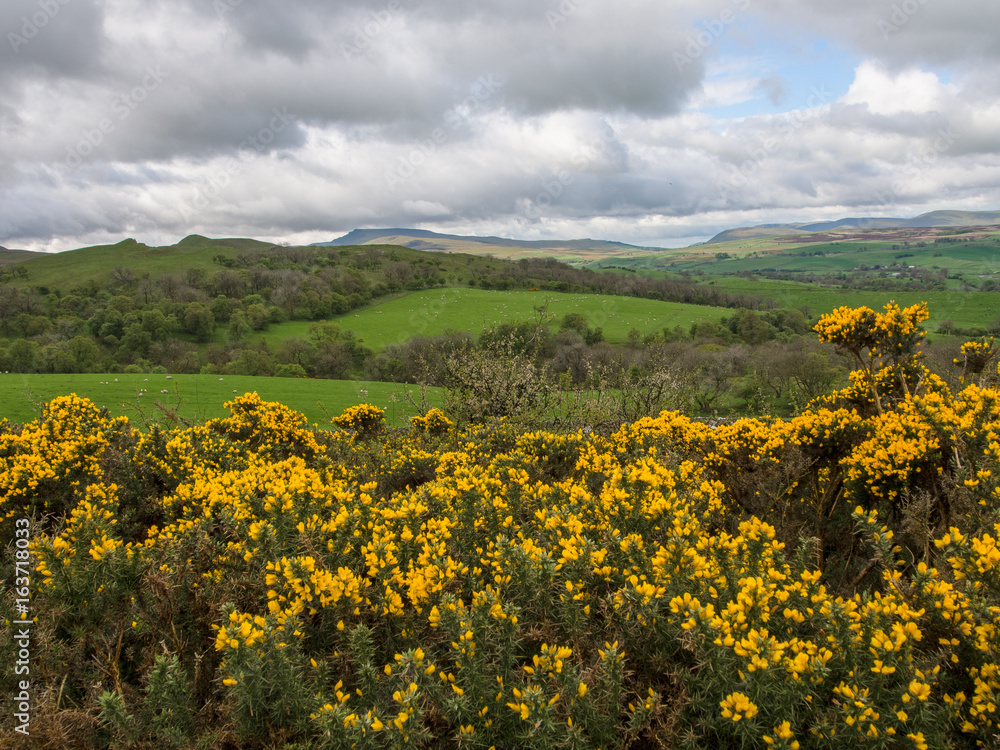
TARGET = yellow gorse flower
x,y
737,706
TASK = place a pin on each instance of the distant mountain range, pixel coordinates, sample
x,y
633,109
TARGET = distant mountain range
x,y
931,219
584,251
577,250
422,239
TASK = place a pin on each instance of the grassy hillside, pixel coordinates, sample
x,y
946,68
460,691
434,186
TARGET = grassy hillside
x,y
981,257
955,218
768,251
948,262
965,309
197,397
433,312
944,218
76,267
7,256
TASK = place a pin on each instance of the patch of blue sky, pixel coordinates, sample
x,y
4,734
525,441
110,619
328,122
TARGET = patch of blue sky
x,y
752,70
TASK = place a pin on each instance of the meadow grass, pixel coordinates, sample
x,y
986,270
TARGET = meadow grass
x,y
433,312
980,256
973,259
965,309
199,397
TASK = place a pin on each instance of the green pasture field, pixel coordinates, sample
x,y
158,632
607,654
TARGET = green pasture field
x,y
194,398
976,258
965,309
981,258
837,261
432,312
647,266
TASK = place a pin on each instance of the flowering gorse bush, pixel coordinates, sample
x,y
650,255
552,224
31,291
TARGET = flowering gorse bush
x,y
976,356
883,346
433,422
824,581
49,461
365,420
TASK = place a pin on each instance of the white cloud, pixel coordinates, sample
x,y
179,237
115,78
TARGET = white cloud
x,y
721,92
426,209
887,93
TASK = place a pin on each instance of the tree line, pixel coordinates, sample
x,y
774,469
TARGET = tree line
x,y
195,319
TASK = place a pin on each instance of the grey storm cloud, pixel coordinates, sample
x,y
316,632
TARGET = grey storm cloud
x,y
901,33
309,117
50,39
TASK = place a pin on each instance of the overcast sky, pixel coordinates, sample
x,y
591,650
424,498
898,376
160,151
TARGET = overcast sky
x,y
656,122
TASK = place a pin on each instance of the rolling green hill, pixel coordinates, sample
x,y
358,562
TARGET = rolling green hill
x,y
978,258
7,256
942,218
964,309
77,267
433,312
969,251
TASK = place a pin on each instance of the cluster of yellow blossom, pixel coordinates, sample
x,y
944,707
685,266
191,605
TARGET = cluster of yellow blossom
x,y
266,428
50,459
363,419
434,421
892,333
976,355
